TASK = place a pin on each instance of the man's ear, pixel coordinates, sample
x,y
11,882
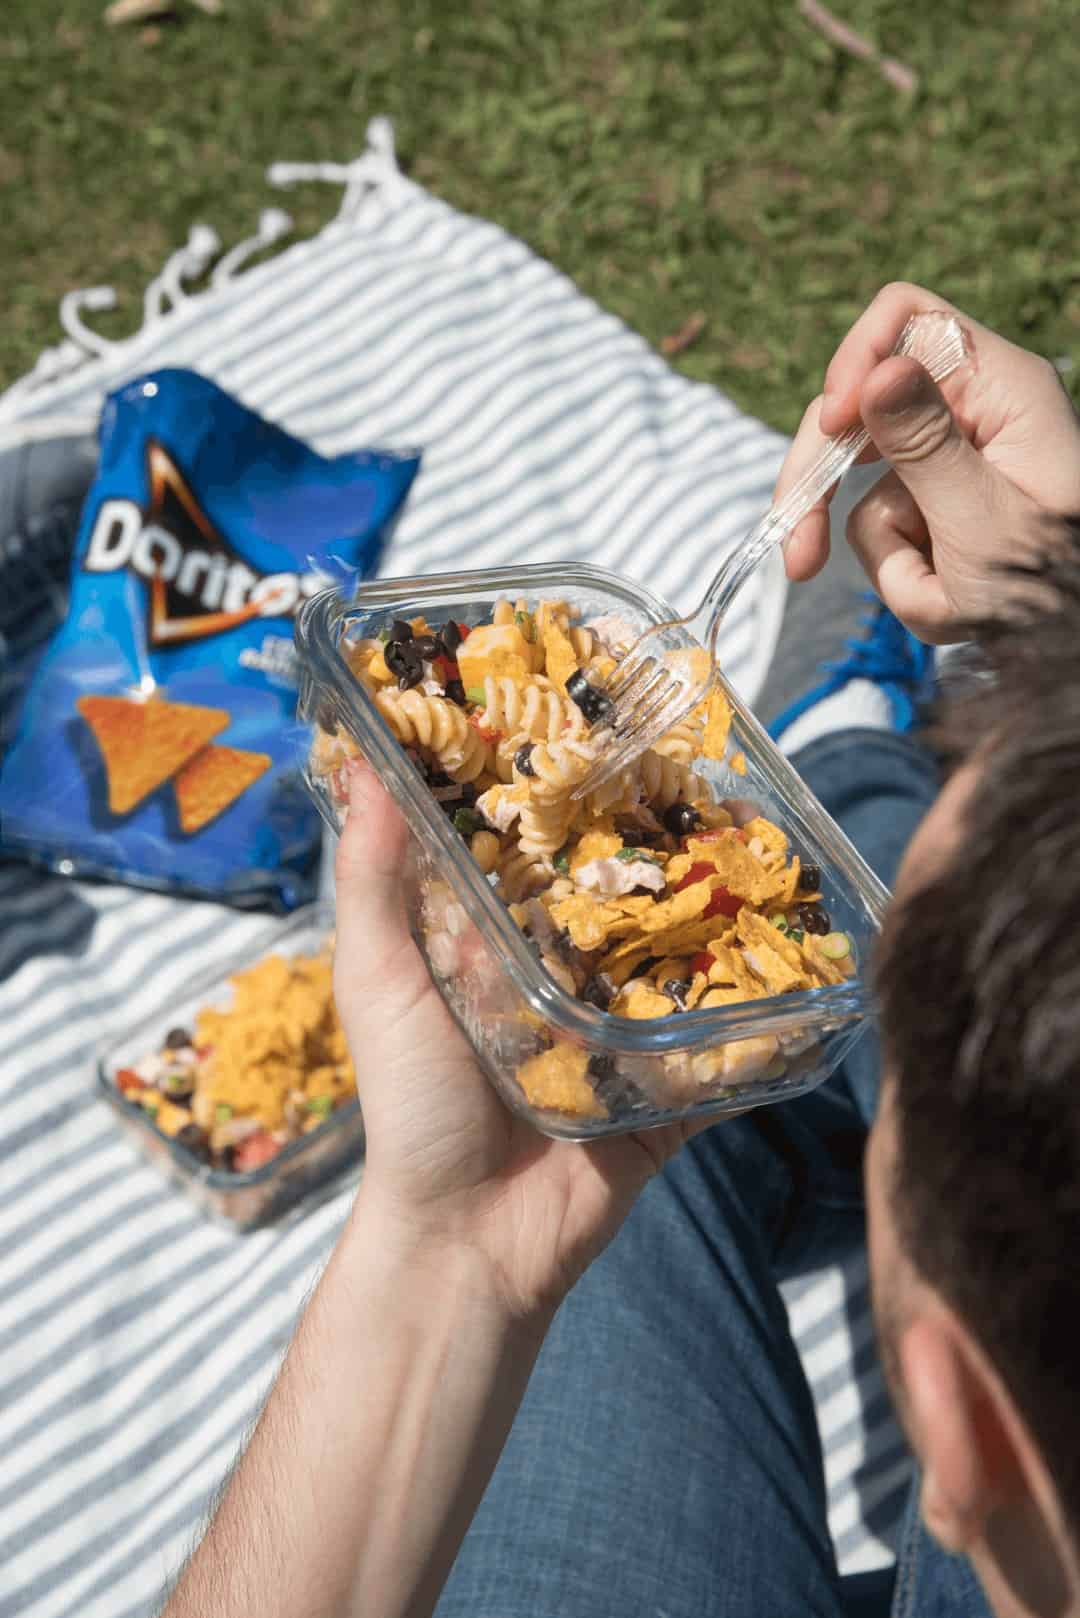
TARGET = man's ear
x,y
963,1436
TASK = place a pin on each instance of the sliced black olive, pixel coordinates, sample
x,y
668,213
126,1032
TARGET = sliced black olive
x,y
675,989
194,1140
681,819
599,992
406,682
617,1090
400,631
523,759
455,692
814,919
810,878
595,706
177,1039
602,1071
402,658
450,635
426,646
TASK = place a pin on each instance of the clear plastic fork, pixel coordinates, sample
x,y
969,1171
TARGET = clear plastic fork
x,y
671,668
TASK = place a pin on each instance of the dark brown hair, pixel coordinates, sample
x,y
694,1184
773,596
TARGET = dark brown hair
x,y
979,978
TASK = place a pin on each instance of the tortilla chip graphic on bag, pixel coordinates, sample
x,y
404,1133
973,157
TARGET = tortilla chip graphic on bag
x,y
212,781
142,743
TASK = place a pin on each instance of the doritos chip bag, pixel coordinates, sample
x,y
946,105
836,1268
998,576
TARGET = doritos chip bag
x,y
157,742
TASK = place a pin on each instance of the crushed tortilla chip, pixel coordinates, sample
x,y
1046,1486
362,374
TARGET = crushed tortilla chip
x,y
770,835
731,968
717,724
587,919
785,895
774,972
699,983
738,763
757,931
641,1000
555,1081
561,662
598,844
681,907
743,1059
741,872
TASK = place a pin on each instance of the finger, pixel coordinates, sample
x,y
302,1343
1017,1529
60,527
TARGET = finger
x,y
376,961
907,417
806,550
888,534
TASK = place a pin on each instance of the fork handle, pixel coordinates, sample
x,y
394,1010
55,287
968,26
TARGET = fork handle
x,y
937,342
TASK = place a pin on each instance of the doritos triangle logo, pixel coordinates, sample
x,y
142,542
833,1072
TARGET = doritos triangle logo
x,y
199,585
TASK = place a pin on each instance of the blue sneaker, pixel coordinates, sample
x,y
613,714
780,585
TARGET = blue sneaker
x,y
890,656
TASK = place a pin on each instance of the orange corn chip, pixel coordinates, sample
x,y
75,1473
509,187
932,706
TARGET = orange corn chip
x,y
142,743
597,844
738,870
738,763
786,894
640,1002
555,1080
769,833
686,905
717,724
756,931
699,983
588,920
213,780
622,970
559,655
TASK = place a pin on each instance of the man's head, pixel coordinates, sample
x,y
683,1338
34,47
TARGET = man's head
x,y
974,1168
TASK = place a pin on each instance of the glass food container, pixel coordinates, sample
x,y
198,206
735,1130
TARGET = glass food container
x,y
639,1073
303,1166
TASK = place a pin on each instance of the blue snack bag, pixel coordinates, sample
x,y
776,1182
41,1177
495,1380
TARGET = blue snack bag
x,y
157,742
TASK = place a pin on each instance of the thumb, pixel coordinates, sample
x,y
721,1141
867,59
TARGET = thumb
x,y
376,964
906,415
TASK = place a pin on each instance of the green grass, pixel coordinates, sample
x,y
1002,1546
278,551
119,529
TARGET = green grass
x,y
670,155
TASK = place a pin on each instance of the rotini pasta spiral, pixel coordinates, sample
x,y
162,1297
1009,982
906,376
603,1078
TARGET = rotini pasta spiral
x,y
539,712
522,874
682,743
437,725
664,781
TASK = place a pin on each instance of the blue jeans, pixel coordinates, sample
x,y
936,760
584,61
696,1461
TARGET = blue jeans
x,y
665,1462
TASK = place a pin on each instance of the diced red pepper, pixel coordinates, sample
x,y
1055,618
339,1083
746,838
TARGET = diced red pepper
x,y
463,630
701,962
203,1051
486,733
253,1152
697,873
129,1081
717,832
722,903
447,669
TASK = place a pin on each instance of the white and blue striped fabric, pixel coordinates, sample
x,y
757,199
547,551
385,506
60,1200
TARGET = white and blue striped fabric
x,y
137,1339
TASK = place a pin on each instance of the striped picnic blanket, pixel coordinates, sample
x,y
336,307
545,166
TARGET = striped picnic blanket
x,y
138,1339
